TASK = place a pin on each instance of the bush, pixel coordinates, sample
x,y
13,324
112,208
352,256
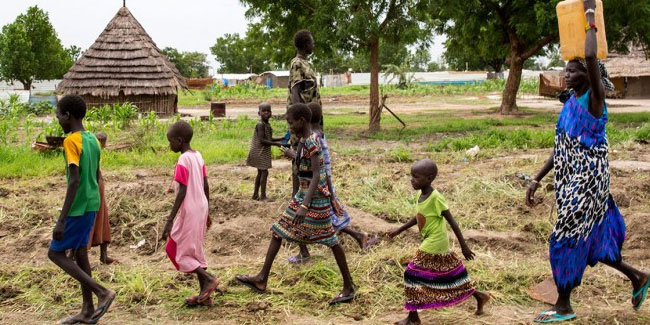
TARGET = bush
x,y
118,115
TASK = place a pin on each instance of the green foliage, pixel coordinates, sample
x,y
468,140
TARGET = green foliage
x,y
627,24
74,52
254,91
504,139
117,115
354,26
401,73
243,55
12,107
189,64
466,50
30,49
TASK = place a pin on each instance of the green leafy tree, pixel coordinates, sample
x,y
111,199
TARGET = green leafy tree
x,y
189,64
30,49
74,52
434,66
251,54
420,59
521,29
555,58
467,51
389,54
357,26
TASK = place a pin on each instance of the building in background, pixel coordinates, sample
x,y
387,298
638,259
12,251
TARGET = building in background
x,y
125,65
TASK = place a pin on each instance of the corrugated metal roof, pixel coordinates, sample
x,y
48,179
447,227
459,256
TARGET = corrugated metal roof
x,y
234,76
278,73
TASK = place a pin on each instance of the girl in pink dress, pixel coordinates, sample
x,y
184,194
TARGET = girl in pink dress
x,y
185,234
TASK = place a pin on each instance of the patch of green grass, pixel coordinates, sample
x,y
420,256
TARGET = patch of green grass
x,y
504,139
252,91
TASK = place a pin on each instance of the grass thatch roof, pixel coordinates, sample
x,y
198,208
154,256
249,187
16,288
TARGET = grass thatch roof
x,y
633,64
124,59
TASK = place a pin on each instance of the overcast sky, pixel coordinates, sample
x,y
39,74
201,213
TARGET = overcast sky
x,y
188,25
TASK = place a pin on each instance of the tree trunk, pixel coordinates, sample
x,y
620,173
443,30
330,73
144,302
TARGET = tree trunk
x,y
375,112
27,85
509,100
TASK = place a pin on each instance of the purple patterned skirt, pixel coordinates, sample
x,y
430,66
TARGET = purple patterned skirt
x,y
435,281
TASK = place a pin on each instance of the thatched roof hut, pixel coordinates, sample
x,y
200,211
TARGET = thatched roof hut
x,y
630,73
125,65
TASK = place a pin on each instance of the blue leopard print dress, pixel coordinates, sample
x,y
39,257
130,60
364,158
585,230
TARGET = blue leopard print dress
x,y
589,228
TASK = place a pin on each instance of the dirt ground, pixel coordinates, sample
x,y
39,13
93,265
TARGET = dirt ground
x,y
509,247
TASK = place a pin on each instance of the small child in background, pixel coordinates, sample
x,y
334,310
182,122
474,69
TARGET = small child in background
x,y
101,233
185,234
259,154
436,277
82,154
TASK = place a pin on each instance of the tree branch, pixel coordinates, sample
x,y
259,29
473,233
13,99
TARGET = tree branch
x,y
389,14
545,41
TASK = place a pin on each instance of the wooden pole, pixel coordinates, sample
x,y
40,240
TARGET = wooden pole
x,y
123,3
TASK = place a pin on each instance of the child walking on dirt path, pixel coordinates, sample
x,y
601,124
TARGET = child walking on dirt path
x,y
82,201
339,215
185,233
259,154
436,277
307,218
101,233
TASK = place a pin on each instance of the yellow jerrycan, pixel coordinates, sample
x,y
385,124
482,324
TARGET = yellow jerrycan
x,y
572,22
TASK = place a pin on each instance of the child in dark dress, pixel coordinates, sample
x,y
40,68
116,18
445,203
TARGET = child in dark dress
x,y
259,154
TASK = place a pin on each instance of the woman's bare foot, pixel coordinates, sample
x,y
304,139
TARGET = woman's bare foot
x,y
412,319
107,260
254,283
481,300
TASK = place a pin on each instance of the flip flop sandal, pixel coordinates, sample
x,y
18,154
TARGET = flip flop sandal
x,y
192,301
554,317
370,242
298,259
99,312
643,292
342,299
73,320
239,278
208,291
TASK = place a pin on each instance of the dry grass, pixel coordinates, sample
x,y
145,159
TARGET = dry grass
x,y
485,193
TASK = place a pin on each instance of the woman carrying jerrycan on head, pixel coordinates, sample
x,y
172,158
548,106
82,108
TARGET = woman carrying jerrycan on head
x,y
589,228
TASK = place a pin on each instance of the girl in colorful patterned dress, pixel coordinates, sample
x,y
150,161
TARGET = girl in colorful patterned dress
x,y
436,277
338,213
307,218
589,227
185,234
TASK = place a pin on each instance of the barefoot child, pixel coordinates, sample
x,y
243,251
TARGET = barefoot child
x,y
339,215
259,154
307,218
185,234
81,153
101,233
435,278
